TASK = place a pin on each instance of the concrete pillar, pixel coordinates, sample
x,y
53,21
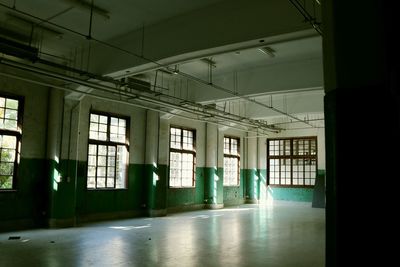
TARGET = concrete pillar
x,y
62,190
213,187
156,184
362,98
251,171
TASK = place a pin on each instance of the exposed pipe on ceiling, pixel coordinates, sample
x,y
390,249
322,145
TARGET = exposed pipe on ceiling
x,y
307,16
126,101
236,94
192,108
156,63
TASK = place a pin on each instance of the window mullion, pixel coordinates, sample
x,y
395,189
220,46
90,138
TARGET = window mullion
x,y
97,166
106,184
115,166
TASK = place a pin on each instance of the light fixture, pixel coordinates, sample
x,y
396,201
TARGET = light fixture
x,y
176,70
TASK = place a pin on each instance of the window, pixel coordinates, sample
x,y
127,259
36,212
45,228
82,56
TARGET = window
x,y
10,140
231,161
292,161
108,152
182,157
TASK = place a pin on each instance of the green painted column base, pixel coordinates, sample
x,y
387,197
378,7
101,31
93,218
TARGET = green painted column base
x,y
214,206
251,201
157,213
62,223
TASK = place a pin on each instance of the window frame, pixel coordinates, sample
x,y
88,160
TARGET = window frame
x,y
182,151
109,143
291,157
230,155
18,135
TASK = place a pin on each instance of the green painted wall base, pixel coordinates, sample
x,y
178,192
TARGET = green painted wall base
x,y
15,225
110,216
291,194
62,223
251,201
234,202
183,208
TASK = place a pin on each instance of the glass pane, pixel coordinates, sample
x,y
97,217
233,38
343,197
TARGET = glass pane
x,y
94,118
101,161
6,182
110,182
11,103
2,102
6,168
91,182
103,119
10,124
11,114
113,129
9,142
101,182
91,171
103,128
7,155
102,150
121,168
102,136
92,149
101,171
92,161
114,121
110,172
93,135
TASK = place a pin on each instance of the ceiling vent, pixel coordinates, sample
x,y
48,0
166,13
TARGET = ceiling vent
x,y
136,84
268,51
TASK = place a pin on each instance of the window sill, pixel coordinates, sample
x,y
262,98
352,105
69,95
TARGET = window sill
x,y
105,189
186,187
8,191
291,186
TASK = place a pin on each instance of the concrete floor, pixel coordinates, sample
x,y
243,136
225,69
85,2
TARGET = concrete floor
x,y
282,234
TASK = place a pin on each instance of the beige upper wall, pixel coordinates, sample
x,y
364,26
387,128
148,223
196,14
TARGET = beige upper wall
x,y
34,125
137,127
319,132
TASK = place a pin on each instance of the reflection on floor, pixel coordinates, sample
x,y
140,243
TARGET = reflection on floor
x,y
277,234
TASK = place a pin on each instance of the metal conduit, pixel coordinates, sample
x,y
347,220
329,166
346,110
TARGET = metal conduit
x,y
120,101
195,109
151,61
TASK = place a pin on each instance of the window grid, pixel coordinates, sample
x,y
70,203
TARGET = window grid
x,y
231,161
292,161
182,158
10,140
107,152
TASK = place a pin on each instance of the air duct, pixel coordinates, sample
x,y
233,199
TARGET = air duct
x,y
19,50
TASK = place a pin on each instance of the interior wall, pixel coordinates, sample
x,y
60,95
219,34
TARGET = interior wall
x,y
189,198
304,194
232,195
73,199
27,205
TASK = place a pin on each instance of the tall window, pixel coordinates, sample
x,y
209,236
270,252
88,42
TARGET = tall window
x,y
10,140
231,161
108,152
182,157
292,161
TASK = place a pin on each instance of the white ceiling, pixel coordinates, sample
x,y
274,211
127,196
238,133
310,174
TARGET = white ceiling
x,y
240,67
